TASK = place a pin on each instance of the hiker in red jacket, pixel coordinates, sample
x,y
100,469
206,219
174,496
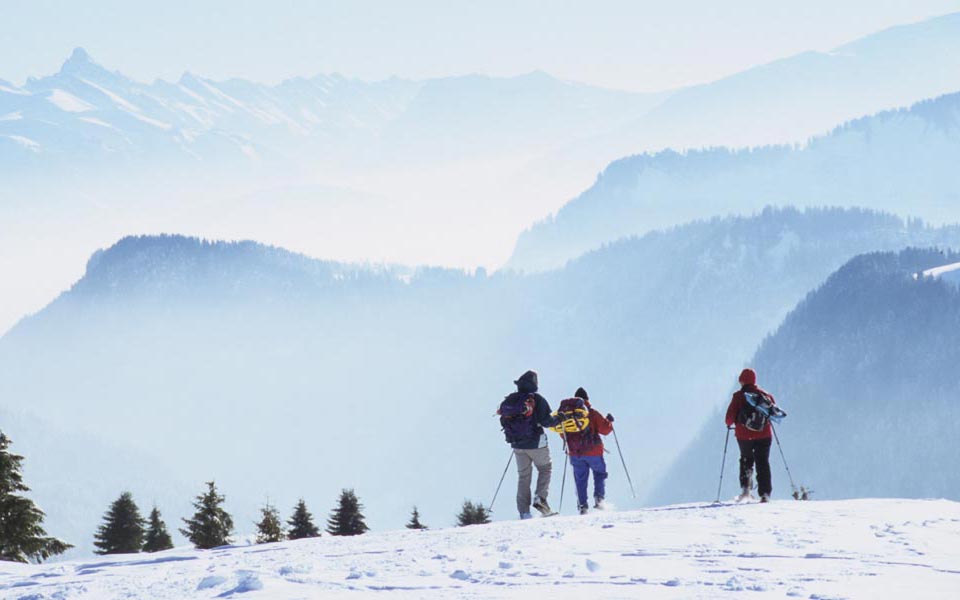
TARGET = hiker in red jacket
x,y
754,436
585,449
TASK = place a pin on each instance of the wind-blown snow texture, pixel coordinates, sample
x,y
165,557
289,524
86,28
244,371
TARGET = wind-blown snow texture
x,y
849,549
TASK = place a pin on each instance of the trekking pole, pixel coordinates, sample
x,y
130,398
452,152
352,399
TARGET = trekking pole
x,y
624,463
566,461
723,462
502,477
780,448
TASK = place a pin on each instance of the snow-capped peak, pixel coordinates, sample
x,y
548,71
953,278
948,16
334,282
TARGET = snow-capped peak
x,y
79,58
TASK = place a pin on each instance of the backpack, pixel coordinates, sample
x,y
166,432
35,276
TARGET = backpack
x,y
757,411
575,427
516,417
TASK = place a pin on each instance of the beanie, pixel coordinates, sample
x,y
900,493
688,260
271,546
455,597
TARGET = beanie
x,y
748,377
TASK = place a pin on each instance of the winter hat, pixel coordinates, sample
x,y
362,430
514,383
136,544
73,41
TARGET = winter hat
x,y
748,377
527,382
582,394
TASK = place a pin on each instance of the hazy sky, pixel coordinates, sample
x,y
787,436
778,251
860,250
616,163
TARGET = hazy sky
x,y
617,43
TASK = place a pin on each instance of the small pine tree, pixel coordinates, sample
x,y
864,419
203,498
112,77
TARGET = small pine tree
x,y
211,525
473,514
157,538
122,528
22,537
301,523
268,529
415,520
346,518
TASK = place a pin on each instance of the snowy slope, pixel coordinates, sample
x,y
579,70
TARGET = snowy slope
x,y
849,549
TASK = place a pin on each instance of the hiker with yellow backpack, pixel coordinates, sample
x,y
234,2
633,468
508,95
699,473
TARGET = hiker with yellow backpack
x,y
581,429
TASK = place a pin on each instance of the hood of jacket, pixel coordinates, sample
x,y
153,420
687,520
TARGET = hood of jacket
x,y
527,383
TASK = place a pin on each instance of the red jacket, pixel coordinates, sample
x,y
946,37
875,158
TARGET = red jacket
x,y
598,425
736,403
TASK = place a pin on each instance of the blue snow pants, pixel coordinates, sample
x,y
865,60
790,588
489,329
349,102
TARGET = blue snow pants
x,y
582,465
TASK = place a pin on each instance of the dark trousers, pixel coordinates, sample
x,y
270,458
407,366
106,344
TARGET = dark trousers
x,y
756,452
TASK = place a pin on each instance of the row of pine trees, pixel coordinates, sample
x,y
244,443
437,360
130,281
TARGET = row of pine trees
x,y
125,531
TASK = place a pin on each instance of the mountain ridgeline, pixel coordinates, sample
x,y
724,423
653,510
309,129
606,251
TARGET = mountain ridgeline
x,y
900,161
86,116
196,353
866,368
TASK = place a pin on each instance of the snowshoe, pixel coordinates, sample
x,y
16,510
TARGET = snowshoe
x,y
541,505
744,496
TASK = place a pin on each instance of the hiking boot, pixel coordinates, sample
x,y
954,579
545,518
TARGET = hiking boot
x,y
599,503
541,505
764,499
583,509
744,495
525,516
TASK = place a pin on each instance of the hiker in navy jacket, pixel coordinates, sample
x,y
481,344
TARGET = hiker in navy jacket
x,y
526,436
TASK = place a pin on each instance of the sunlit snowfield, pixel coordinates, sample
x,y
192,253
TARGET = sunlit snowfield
x,y
839,549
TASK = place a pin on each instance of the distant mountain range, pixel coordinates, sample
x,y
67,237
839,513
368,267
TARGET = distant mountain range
x,y
792,99
900,161
85,113
191,352
86,116
866,368
445,171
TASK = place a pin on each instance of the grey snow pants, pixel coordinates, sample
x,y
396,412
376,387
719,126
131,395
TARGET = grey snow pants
x,y
526,459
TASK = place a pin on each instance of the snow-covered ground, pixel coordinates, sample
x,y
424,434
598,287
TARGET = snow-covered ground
x,y
839,549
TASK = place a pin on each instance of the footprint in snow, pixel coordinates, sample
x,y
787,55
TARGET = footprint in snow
x,y
246,582
211,581
460,574
592,566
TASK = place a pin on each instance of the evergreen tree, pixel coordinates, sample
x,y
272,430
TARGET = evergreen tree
x,y
268,529
211,525
346,518
157,538
122,528
473,514
301,523
415,520
22,537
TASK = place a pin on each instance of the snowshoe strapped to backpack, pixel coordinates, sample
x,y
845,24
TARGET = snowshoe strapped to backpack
x,y
516,417
758,410
575,427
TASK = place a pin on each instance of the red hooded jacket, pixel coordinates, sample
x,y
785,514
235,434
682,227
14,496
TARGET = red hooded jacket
x,y
599,425
736,403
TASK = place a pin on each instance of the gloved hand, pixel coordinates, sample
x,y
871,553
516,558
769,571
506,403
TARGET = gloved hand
x,y
609,417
